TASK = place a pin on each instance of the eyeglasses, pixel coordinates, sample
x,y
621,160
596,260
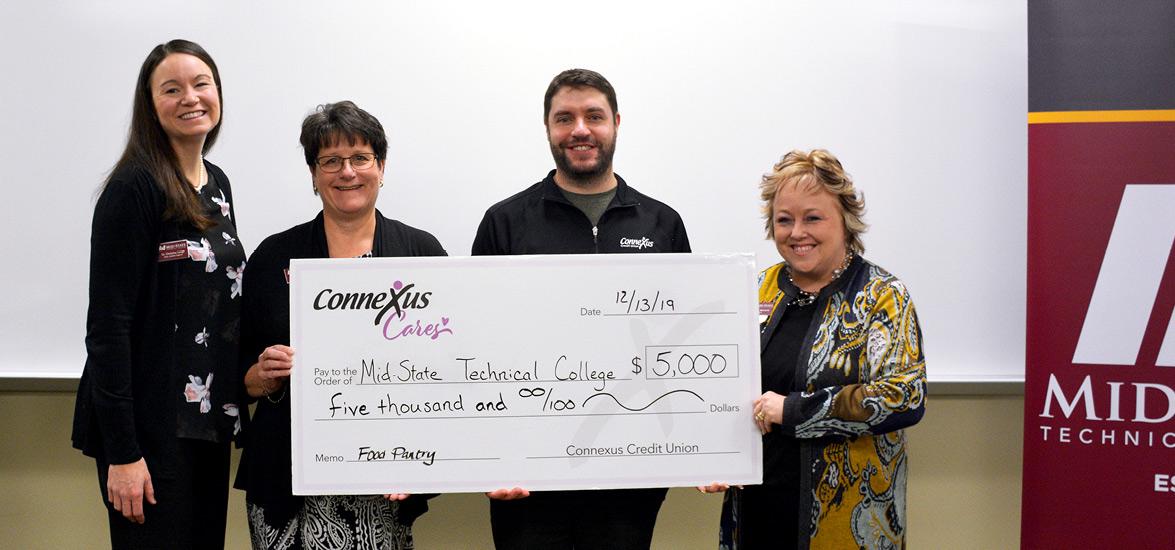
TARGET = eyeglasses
x,y
331,165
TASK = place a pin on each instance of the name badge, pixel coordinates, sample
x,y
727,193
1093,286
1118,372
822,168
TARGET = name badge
x,y
173,250
765,311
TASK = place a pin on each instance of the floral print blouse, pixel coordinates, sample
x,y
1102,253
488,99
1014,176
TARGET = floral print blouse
x,y
208,316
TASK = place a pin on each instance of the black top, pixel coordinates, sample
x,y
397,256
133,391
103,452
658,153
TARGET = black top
x,y
265,469
164,303
540,220
781,451
207,325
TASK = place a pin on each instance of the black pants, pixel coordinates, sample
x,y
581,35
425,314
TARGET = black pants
x,y
579,520
768,518
191,504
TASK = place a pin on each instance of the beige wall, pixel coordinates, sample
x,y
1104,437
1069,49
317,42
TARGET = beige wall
x,y
964,487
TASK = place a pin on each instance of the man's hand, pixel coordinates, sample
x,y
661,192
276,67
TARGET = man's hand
x,y
508,494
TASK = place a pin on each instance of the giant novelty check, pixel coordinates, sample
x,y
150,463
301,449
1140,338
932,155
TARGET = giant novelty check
x,y
542,372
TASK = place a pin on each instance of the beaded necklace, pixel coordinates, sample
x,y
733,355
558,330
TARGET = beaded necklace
x,y
201,178
805,298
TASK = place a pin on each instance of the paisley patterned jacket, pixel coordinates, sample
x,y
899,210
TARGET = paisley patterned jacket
x,y
863,376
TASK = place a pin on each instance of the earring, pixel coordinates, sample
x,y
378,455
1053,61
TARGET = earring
x,y
381,183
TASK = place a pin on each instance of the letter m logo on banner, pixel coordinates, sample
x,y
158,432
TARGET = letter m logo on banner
x,y
1128,282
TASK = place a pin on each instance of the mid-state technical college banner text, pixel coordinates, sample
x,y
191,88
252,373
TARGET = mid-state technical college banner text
x,y
543,372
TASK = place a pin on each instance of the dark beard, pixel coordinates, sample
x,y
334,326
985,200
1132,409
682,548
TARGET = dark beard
x,y
603,164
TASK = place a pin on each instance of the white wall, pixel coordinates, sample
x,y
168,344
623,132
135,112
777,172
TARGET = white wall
x,y
924,102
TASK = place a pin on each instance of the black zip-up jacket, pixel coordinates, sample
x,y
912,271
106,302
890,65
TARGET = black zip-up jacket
x,y
540,220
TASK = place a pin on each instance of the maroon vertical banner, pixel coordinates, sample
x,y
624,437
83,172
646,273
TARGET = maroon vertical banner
x,y
1099,422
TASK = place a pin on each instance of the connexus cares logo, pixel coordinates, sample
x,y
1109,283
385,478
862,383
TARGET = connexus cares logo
x,y
393,309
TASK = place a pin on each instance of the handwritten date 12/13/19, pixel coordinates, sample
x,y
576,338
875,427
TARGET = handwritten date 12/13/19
x,y
635,302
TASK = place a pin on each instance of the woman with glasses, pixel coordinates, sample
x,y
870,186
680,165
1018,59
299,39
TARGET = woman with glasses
x,y
157,402
345,150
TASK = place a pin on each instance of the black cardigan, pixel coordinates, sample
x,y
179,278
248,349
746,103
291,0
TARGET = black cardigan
x,y
265,469
123,411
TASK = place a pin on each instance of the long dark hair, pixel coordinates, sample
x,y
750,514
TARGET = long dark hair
x,y
148,147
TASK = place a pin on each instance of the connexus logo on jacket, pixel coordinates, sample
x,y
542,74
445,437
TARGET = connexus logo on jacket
x,y
643,242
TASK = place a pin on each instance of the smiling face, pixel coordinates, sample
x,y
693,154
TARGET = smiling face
x,y
809,232
186,100
581,128
348,194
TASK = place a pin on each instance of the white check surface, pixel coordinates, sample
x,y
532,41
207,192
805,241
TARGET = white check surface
x,y
543,372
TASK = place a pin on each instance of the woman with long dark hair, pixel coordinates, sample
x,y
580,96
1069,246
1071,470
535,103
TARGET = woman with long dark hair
x,y
157,402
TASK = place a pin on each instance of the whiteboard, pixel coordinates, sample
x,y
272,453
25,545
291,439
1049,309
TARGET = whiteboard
x,y
923,101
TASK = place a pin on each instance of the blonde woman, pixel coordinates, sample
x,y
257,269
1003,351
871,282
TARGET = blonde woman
x,y
843,375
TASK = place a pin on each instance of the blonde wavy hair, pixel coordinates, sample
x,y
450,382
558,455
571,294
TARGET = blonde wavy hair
x,y
822,168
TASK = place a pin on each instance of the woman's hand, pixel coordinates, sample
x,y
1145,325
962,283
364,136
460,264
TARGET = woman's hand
x,y
713,488
768,410
270,371
126,485
397,496
508,494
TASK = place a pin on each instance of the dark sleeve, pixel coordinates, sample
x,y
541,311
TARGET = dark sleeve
x,y
429,245
485,243
254,289
123,245
414,507
680,238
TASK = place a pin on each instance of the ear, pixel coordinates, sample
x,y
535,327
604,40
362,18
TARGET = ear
x,y
313,185
617,121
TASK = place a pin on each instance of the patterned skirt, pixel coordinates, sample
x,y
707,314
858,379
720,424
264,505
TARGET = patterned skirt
x,y
334,522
